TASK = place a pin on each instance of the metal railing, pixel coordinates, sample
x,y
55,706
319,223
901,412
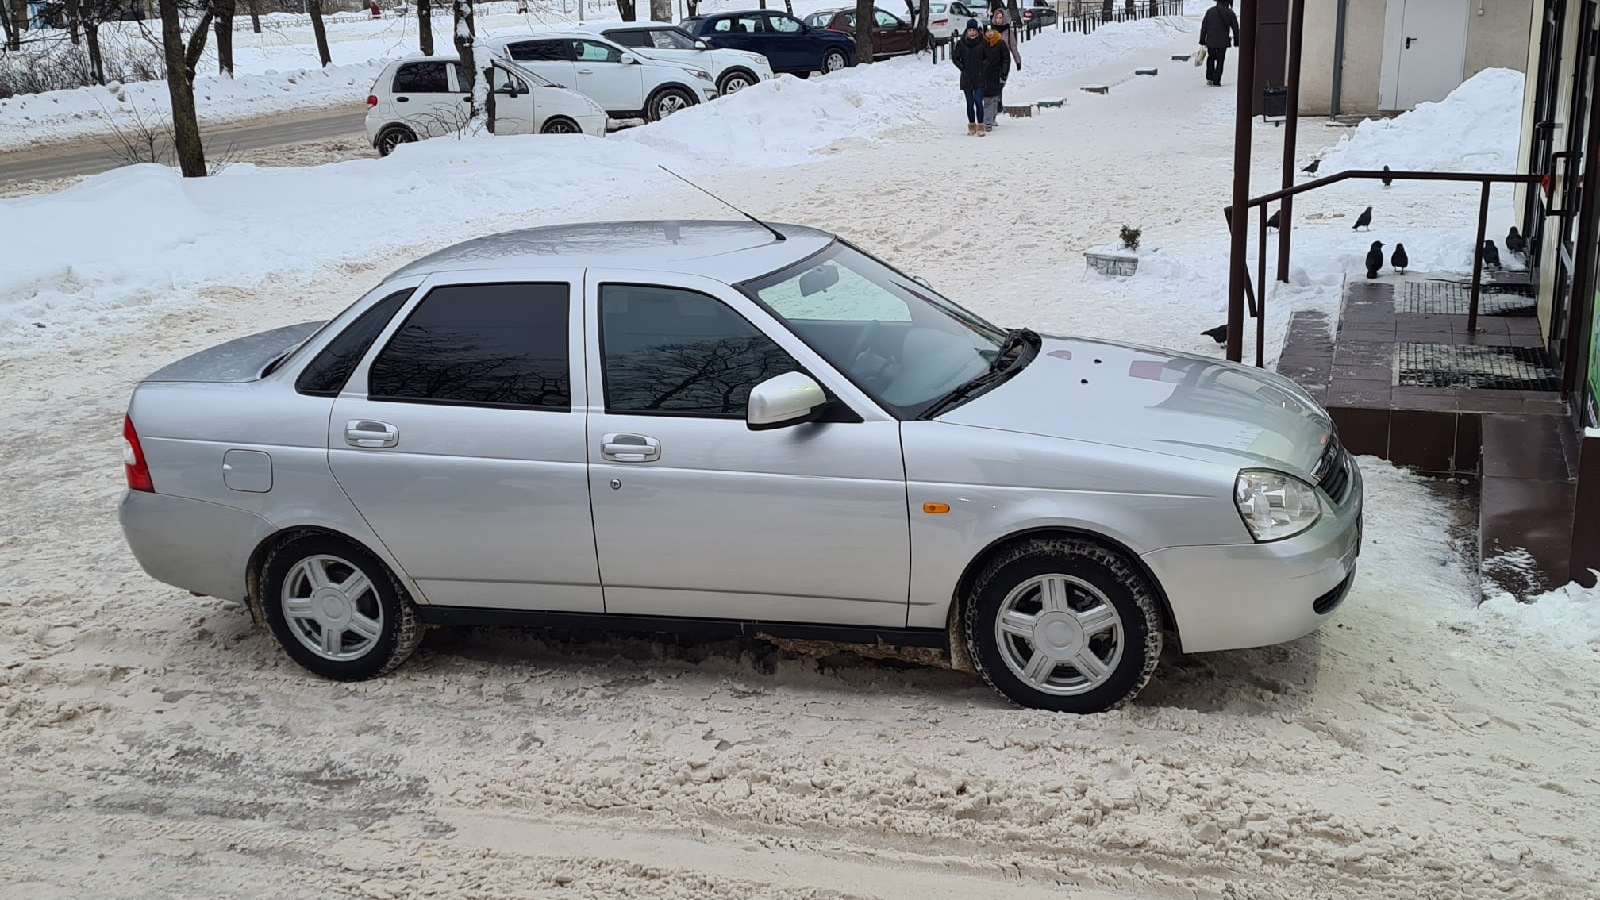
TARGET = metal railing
x,y
1258,300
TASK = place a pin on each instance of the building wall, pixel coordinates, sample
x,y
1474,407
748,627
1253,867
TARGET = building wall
x,y
1498,38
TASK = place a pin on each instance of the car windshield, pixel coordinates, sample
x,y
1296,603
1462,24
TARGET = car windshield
x,y
894,338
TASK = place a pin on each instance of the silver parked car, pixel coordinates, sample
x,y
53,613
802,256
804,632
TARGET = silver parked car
x,y
729,427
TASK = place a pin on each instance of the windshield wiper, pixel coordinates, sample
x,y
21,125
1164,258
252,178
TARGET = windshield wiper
x,y
1011,351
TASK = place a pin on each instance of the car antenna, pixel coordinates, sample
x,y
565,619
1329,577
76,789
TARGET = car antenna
x,y
775,232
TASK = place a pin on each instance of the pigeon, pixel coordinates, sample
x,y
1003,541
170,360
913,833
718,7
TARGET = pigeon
x,y
1218,334
1386,179
1399,260
1312,168
1516,243
1491,254
1272,220
1364,220
1375,259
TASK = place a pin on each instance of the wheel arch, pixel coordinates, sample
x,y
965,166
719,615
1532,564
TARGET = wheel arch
x,y
264,549
969,575
736,70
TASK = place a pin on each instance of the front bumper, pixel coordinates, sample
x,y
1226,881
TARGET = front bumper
x,y
1251,595
192,544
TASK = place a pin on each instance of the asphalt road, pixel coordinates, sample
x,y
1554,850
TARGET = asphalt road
x,y
92,155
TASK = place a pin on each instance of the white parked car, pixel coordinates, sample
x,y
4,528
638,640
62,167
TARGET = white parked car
x,y
731,70
627,84
422,97
950,19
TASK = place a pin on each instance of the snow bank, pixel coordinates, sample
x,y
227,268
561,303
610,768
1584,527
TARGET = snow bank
x,y
1474,129
1568,616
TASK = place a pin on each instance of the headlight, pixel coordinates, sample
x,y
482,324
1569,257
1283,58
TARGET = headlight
x,y
1275,506
701,74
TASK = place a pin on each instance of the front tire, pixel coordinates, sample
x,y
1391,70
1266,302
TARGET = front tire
x,y
391,137
560,125
833,61
735,81
667,101
336,609
1064,624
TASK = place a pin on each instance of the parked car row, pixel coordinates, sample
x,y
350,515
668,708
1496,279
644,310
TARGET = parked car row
x,y
612,72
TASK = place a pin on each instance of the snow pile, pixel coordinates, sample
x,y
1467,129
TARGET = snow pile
x,y
1569,616
1475,129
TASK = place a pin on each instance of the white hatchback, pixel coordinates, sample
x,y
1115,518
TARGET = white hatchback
x,y
627,84
423,97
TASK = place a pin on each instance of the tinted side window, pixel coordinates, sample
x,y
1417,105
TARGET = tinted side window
x,y
325,375
421,78
672,351
630,38
483,344
538,51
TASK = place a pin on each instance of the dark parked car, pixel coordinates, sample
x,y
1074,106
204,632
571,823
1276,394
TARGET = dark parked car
x,y
891,36
1040,13
787,43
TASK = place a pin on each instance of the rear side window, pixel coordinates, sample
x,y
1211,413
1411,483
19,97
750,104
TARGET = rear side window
x,y
421,78
500,345
326,374
785,25
669,351
630,38
538,51
594,51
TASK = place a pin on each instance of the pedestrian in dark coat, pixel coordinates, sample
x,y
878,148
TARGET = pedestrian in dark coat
x,y
1218,31
968,54
999,22
996,66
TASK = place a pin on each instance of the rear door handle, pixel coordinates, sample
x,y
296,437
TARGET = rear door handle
x,y
630,448
1409,40
585,71
402,99
370,433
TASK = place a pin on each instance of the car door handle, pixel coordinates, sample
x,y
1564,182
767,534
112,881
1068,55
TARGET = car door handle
x,y
370,433
630,448
1409,40
402,99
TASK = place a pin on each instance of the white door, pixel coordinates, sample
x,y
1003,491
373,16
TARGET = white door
x,y
513,103
606,78
1425,51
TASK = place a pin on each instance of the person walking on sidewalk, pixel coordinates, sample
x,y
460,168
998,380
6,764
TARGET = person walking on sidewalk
x,y
968,54
996,66
1218,31
1000,23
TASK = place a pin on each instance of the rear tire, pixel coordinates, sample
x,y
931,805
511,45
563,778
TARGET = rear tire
x,y
667,101
560,125
1063,624
391,137
336,609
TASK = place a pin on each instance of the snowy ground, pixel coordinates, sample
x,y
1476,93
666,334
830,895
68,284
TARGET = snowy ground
x,y
1417,747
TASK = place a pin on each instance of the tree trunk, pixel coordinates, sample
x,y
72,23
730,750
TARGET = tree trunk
x,y
19,22
5,24
180,85
97,63
255,16
425,26
317,28
628,9
924,39
224,24
692,7
74,11
661,10
864,23
464,31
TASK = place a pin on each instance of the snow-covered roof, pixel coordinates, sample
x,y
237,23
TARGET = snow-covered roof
x,y
730,251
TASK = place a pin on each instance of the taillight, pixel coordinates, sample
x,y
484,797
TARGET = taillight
x,y
133,464
372,101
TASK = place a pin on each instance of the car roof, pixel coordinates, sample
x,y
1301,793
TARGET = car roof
x,y
544,34
730,251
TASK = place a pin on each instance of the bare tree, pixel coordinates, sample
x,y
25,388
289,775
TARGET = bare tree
x,y
661,10
180,85
864,22
72,13
628,9
692,7
314,7
465,32
425,26
255,16
225,9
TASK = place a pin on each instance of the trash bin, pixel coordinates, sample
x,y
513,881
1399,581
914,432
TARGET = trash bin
x,y
1274,102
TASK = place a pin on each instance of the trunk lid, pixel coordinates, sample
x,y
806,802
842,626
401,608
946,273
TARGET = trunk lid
x,y
239,360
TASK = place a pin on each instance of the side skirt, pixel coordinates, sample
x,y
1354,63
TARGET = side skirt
x,y
571,621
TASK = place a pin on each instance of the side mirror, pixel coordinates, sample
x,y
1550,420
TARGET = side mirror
x,y
630,60
700,44
787,399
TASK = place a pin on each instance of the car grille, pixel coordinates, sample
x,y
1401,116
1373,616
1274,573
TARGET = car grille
x,y
1333,471
1330,601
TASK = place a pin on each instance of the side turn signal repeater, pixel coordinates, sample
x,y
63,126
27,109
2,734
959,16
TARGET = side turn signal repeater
x,y
935,509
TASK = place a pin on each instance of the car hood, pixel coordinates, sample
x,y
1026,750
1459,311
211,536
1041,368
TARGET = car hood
x,y
241,359
1153,400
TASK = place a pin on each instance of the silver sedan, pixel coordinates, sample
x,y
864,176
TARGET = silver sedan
x,y
728,427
